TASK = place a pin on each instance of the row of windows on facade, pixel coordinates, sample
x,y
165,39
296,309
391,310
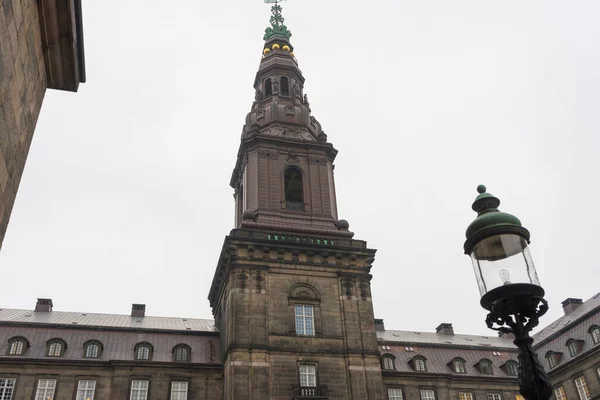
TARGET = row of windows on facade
x,y
18,346
580,384
457,365
397,393
574,346
47,389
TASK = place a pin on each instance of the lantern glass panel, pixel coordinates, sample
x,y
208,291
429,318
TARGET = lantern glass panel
x,y
501,260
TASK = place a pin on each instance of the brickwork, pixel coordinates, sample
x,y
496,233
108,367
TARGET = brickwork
x,y
22,89
114,381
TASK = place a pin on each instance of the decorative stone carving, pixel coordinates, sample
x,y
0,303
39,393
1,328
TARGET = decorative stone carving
x,y
258,278
268,155
260,114
306,103
317,161
275,83
290,132
296,90
290,111
342,224
242,278
313,122
363,288
347,288
322,137
292,157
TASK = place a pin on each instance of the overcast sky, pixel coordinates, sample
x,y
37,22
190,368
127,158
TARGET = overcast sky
x,y
125,197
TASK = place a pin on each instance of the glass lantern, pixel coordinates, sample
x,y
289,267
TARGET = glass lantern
x,y
498,246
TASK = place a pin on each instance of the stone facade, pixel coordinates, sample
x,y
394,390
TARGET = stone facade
x,y
27,54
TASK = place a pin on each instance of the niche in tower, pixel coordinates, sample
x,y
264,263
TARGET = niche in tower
x,y
285,86
268,87
294,189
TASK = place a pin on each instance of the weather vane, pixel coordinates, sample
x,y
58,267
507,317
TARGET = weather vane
x,y
277,27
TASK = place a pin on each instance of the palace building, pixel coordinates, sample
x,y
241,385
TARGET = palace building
x,y
291,299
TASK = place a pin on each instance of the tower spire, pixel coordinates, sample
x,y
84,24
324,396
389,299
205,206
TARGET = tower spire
x,y
277,27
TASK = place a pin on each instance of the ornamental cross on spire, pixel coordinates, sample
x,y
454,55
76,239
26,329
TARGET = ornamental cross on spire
x,y
277,27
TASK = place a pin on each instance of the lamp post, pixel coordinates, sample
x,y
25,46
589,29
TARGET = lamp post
x,y
509,286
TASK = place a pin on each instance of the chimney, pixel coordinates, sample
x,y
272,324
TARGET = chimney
x,y
43,305
505,335
444,329
379,325
569,305
138,310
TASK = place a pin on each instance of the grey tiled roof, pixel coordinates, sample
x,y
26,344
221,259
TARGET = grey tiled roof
x,y
447,340
117,345
566,320
575,325
115,321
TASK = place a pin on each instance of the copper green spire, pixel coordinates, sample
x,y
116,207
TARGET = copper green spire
x,y
277,27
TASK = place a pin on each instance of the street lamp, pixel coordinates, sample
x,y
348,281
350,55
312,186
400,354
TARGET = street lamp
x,y
509,286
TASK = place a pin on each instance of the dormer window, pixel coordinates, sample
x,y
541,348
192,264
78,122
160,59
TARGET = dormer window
x,y
458,366
17,346
55,348
419,363
143,351
181,353
285,86
92,349
294,189
574,346
485,367
595,332
553,359
268,87
512,368
387,362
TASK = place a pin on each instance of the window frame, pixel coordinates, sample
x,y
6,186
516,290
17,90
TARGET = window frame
x,y
512,364
460,361
55,341
584,387
79,381
139,345
553,358
391,358
469,397
594,331
574,346
316,373
179,380
415,361
139,379
14,340
90,343
37,387
400,389
427,389
8,378
181,346
493,396
481,367
562,395
305,318
302,203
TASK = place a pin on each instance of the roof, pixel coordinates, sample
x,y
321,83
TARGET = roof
x,y
110,321
564,322
429,338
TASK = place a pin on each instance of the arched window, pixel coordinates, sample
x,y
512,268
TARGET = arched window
x,y
143,351
485,367
17,346
387,362
268,87
305,304
574,346
512,368
294,189
458,366
419,363
595,332
553,358
92,349
181,353
55,347
284,86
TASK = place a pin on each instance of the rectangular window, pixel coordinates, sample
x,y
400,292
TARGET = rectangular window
x,y
519,397
304,320
308,375
394,394
494,396
139,390
45,389
85,390
560,394
7,387
179,390
465,396
582,389
427,394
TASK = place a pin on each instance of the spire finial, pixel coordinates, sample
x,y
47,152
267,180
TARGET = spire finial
x,y
277,27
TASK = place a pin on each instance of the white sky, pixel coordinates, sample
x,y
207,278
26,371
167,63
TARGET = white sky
x,y
125,197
